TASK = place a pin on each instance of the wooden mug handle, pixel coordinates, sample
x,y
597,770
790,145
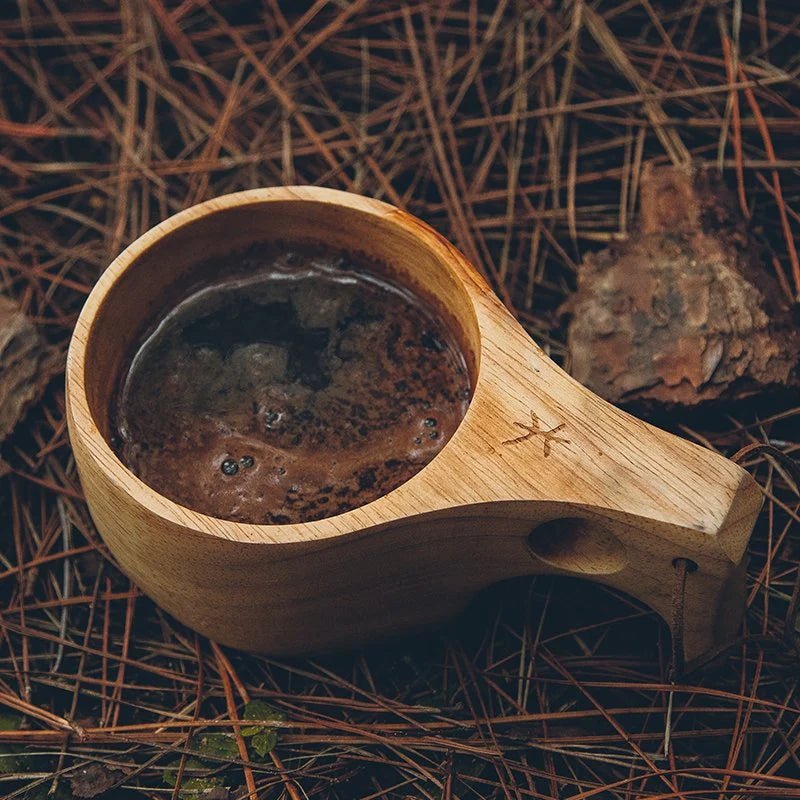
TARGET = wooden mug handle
x,y
606,495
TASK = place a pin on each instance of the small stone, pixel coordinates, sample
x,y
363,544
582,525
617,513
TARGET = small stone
x,y
247,461
430,422
229,466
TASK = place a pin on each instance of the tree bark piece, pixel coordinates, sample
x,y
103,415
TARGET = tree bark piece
x,y
21,354
683,312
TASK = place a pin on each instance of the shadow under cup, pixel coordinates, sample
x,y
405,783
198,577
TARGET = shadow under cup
x,y
284,479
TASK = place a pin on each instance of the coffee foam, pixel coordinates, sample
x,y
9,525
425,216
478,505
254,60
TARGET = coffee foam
x,y
302,385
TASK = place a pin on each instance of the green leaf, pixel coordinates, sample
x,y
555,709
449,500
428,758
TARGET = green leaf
x,y
191,786
263,712
264,738
9,761
264,742
194,787
170,774
258,709
10,722
218,744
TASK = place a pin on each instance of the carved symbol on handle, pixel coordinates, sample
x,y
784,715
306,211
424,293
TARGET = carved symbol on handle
x,y
534,429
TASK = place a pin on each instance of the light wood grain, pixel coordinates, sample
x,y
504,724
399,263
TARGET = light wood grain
x,y
542,476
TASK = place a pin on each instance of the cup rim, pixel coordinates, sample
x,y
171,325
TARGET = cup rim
x,y
378,512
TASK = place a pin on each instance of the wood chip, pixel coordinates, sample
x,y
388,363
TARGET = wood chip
x,y
684,311
21,354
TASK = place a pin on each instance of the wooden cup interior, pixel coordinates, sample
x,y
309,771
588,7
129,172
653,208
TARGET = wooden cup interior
x,y
170,267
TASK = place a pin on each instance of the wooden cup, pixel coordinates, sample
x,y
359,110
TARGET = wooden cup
x,y
542,476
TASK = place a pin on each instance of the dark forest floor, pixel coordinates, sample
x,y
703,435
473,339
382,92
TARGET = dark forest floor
x,y
519,130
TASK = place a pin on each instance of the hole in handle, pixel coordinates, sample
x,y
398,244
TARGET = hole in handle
x,y
578,545
691,566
